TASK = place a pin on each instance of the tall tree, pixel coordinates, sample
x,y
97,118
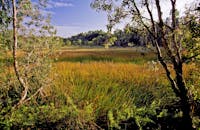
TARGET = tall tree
x,y
31,37
5,20
167,35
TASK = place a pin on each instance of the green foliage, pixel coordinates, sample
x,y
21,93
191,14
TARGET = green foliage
x,y
191,39
68,43
32,58
120,38
142,116
39,116
5,15
91,38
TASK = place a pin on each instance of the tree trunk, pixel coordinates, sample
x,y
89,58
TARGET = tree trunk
x,y
186,119
15,64
184,99
179,85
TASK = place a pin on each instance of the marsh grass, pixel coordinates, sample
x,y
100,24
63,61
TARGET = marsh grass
x,y
122,55
95,84
110,86
113,80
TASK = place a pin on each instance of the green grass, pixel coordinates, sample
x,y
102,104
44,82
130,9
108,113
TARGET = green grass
x,y
97,85
115,55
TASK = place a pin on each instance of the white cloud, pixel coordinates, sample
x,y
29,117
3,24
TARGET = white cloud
x,y
58,4
46,12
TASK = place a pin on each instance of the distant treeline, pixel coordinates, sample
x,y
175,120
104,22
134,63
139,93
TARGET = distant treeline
x,y
127,37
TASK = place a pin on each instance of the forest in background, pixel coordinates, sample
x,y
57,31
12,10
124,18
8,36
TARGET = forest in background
x,y
128,37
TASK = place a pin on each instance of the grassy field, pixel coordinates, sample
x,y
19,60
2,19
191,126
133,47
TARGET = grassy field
x,y
103,86
112,80
124,55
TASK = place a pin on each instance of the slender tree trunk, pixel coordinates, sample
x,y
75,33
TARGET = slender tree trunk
x,y
15,64
3,4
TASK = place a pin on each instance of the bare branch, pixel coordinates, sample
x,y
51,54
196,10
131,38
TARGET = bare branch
x,y
164,40
174,24
32,96
186,59
139,15
151,16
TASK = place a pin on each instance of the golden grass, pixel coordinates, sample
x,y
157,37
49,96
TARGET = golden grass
x,y
124,53
119,72
103,84
72,76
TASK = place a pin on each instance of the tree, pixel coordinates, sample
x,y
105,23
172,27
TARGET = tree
x,y
31,69
169,36
68,43
5,19
15,64
25,71
109,41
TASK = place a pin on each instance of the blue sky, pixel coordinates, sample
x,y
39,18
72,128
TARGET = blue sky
x,y
71,17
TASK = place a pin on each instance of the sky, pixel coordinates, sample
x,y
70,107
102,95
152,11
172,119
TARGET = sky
x,y
71,17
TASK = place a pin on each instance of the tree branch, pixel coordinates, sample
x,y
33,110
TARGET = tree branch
x,y
32,96
185,59
168,73
174,24
139,15
164,41
169,52
151,16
